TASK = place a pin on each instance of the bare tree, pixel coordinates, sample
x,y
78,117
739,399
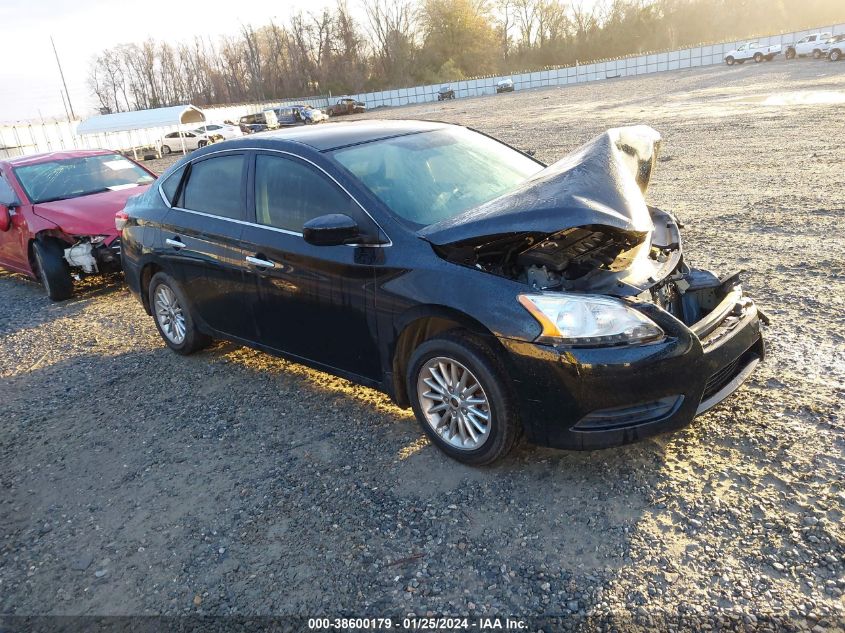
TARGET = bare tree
x,y
253,60
415,41
392,26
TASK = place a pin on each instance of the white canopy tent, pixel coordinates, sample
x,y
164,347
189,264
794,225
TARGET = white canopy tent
x,y
142,119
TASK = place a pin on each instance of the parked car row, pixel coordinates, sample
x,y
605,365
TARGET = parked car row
x,y
504,85
816,45
574,321
282,116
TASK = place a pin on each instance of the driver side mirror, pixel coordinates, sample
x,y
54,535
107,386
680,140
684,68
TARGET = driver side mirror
x,y
5,218
333,229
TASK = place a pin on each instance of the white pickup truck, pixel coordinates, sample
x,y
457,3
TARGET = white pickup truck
x,y
752,50
808,45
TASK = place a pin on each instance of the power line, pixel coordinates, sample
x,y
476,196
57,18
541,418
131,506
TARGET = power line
x,y
63,77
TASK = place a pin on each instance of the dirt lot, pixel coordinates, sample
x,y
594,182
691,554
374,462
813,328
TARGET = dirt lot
x,y
137,481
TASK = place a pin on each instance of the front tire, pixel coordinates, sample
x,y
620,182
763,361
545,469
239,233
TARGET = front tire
x,y
165,150
53,271
173,317
462,398
758,57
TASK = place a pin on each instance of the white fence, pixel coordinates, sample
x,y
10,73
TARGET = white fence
x,y
44,137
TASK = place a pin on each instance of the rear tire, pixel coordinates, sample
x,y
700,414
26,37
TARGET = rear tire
x,y
453,416
835,55
201,144
729,60
172,316
52,270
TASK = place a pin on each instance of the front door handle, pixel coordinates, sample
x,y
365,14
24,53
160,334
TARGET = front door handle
x,y
175,243
260,263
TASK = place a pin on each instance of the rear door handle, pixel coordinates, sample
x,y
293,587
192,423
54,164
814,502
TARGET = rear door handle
x,y
260,263
175,243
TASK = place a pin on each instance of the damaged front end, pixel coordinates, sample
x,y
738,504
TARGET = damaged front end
x,y
582,225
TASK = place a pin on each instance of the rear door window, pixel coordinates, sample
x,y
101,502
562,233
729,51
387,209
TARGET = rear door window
x,y
216,186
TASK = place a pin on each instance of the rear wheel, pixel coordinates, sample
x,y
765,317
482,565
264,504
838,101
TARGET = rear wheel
x,y
53,271
202,144
461,396
173,317
758,57
729,60
835,55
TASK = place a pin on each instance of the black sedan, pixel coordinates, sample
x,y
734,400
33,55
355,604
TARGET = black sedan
x,y
495,295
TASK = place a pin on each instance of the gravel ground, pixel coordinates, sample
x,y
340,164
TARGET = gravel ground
x,y
136,481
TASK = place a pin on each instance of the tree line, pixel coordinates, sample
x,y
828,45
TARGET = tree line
x,y
399,43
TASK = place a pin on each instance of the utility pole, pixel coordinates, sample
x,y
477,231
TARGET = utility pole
x,y
62,74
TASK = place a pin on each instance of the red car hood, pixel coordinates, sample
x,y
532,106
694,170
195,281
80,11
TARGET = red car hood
x,y
88,215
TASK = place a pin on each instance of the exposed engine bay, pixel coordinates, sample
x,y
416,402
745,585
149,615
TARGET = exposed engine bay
x,y
603,260
91,255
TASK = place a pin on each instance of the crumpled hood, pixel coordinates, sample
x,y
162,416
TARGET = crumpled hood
x,y
601,183
88,215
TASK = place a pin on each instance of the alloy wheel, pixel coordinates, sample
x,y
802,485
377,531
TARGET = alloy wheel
x,y
454,403
170,315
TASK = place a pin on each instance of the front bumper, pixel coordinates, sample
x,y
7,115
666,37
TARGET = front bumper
x,y
588,398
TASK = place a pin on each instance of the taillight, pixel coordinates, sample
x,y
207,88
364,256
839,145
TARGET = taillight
x,y
120,220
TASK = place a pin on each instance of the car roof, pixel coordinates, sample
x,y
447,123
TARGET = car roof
x,y
327,136
46,157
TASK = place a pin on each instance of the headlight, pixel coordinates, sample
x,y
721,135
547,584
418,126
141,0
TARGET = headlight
x,y
573,319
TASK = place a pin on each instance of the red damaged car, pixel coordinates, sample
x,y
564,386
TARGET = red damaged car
x,y
57,214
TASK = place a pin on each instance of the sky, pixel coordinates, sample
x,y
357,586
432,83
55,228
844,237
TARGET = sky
x,y
30,85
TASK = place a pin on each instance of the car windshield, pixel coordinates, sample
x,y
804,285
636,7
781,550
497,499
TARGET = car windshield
x,y
432,176
75,177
